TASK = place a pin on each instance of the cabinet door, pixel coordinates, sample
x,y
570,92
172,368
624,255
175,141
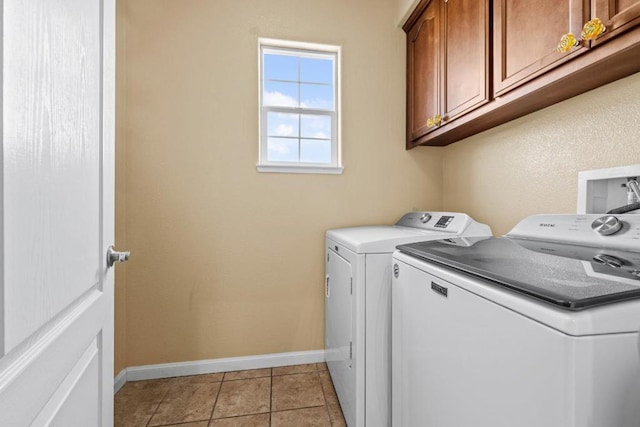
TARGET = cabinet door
x,y
526,34
617,15
465,29
423,72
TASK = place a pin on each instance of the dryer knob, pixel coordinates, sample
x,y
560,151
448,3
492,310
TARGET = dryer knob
x,y
425,218
606,225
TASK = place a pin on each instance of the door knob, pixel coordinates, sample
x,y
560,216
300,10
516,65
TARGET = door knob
x,y
114,256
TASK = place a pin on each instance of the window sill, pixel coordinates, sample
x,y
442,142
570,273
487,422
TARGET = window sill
x,y
329,170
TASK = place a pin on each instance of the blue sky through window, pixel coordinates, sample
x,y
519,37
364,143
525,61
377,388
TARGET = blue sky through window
x,y
295,82
316,70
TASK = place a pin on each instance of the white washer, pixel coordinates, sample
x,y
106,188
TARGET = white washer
x,y
538,328
358,307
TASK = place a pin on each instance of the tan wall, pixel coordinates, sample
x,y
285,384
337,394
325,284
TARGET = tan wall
x,y
227,261
531,165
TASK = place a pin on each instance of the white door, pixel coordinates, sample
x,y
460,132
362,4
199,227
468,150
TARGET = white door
x,y
57,166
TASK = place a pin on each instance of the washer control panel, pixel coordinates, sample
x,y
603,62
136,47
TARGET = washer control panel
x,y
619,231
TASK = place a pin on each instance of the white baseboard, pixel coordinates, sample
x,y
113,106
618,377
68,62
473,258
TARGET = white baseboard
x,y
210,366
119,380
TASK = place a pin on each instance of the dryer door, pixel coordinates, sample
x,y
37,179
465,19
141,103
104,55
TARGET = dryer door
x,y
338,341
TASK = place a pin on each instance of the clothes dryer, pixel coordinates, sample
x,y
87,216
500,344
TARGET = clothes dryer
x,y
358,306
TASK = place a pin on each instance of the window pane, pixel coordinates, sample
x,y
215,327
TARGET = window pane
x,y
280,67
313,70
316,96
315,126
282,124
315,151
280,94
299,105
282,149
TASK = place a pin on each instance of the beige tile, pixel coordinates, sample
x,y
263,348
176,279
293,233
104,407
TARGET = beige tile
x,y
136,402
296,391
198,424
327,388
249,373
243,397
198,379
260,420
186,403
322,366
335,413
295,369
308,417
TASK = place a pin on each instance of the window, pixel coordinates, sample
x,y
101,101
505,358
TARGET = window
x,y
299,100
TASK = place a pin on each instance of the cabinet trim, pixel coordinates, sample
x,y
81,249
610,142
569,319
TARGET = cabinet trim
x,y
415,15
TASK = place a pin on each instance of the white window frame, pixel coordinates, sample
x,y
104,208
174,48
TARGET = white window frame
x,y
306,50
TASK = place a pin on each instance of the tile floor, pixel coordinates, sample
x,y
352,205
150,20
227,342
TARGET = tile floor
x,y
288,396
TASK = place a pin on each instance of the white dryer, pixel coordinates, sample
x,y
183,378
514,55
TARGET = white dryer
x,y
358,306
538,328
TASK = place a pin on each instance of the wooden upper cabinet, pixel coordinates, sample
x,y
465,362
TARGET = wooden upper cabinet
x,y
617,15
453,73
465,29
423,71
526,35
447,63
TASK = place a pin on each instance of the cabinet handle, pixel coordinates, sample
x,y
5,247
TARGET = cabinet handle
x,y
567,42
434,121
592,29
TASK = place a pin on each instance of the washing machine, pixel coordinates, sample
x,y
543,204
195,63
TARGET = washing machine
x,y
537,328
358,306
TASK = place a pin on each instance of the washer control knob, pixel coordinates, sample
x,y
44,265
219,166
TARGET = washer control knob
x,y
608,260
425,218
606,225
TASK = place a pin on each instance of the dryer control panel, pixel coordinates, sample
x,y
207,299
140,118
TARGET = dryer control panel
x,y
452,222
